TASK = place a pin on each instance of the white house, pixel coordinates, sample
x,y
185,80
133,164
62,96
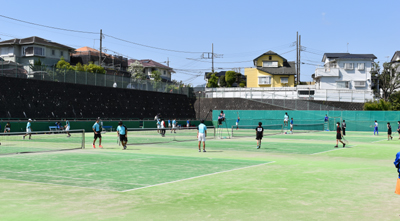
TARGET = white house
x,y
345,71
26,51
149,66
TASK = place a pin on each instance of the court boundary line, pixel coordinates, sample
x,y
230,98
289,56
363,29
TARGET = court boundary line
x,y
378,141
332,150
195,177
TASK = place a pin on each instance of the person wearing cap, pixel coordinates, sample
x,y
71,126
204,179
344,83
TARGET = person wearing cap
x,y
28,129
97,133
201,135
122,134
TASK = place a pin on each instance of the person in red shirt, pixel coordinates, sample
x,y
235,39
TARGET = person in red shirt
x,y
339,135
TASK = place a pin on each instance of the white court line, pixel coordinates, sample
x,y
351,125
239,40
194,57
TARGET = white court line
x,y
175,181
332,150
378,141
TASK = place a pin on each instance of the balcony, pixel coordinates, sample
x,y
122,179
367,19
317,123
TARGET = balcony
x,y
326,72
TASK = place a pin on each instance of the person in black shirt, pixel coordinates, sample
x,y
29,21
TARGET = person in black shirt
x,y
344,128
339,135
259,134
389,131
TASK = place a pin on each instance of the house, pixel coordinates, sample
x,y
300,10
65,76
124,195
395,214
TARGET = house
x,y
26,51
345,71
271,70
149,66
396,60
12,69
207,75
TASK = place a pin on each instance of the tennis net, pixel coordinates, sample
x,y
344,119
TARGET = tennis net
x,y
250,130
307,128
154,135
41,141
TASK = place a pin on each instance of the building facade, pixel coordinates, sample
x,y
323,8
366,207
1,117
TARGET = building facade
x,y
270,70
345,71
26,51
149,66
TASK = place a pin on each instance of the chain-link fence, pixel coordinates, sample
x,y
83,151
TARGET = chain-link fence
x,y
87,78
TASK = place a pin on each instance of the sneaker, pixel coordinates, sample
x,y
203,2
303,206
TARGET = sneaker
x,y
199,150
100,146
23,137
391,138
344,145
204,150
94,146
336,146
258,147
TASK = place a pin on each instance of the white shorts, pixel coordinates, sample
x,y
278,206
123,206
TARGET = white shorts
x,y
291,126
67,128
7,129
158,126
169,125
187,125
202,137
173,126
237,123
28,130
285,120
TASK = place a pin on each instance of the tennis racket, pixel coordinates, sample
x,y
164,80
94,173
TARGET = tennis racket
x,y
345,141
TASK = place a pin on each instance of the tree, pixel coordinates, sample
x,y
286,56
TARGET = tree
x,y
136,70
222,81
389,80
156,75
212,80
378,105
94,68
62,64
242,84
37,65
230,78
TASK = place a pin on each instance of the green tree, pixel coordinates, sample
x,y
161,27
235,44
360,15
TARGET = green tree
x,y
136,70
230,78
378,105
156,75
37,65
242,83
389,80
212,80
222,81
92,68
63,64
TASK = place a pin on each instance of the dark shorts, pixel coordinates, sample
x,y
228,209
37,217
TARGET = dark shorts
x,y
259,137
398,130
123,138
389,132
98,135
338,136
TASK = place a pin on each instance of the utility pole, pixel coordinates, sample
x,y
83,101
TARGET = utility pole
x,y
299,59
212,57
168,62
101,42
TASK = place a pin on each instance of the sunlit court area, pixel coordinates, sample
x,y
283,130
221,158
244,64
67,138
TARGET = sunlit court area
x,y
293,175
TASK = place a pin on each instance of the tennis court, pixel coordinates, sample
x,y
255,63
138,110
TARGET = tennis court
x,y
293,176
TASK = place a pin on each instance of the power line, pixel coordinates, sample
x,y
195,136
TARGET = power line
x,y
46,26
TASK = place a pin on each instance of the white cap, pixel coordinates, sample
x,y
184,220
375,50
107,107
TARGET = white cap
x,y
29,119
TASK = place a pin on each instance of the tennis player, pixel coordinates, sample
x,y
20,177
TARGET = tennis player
x,y
67,127
7,128
339,135
291,125
162,127
389,131
169,124
97,133
397,165
201,135
326,118
344,128
122,133
158,125
28,129
259,134
237,123
174,125
221,117
285,119
376,128
398,128
188,123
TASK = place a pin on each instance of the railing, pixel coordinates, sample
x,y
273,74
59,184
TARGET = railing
x,y
327,72
45,73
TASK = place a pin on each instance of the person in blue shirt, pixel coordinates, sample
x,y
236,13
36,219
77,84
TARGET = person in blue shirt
x,y
169,124
201,135
376,128
67,127
326,118
122,134
237,123
97,133
291,125
397,165
28,129
158,125
188,123
174,126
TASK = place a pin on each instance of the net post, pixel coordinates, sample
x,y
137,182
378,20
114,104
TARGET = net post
x,y
83,139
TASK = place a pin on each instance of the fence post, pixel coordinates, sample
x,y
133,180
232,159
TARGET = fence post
x,y
105,79
122,85
54,73
86,78
64,75
95,79
75,76
339,95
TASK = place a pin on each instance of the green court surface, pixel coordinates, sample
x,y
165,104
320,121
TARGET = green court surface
x,y
298,176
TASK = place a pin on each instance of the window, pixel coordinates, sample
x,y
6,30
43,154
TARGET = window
x,y
264,80
360,66
348,66
359,83
270,57
342,84
61,53
284,80
310,92
164,72
6,51
53,52
269,64
33,51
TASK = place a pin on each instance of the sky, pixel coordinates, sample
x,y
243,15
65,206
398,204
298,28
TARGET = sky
x,y
239,30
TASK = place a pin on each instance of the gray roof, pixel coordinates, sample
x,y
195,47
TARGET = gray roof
x,y
347,55
396,54
288,68
269,53
34,40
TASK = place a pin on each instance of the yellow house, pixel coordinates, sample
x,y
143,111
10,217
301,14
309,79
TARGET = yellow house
x,y
271,70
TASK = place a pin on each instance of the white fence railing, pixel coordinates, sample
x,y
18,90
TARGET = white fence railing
x,y
343,95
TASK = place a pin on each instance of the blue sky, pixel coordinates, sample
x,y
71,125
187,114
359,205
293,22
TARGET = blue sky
x,y
240,30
